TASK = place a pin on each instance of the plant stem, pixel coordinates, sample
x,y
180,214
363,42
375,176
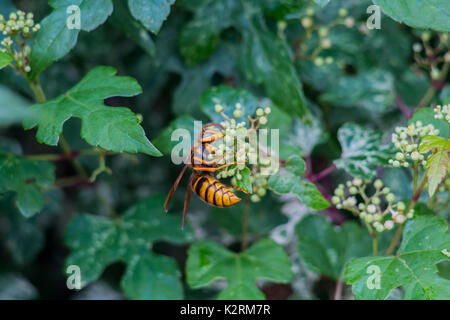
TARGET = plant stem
x,y
375,244
36,87
415,198
245,214
402,106
322,174
75,162
338,290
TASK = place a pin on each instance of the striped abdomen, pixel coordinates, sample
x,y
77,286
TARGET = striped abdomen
x,y
213,192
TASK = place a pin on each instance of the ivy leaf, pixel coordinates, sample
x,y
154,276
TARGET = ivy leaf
x,y
433,14
362,150
266,60
208,261
111,128
5,59
325,249
245,183
438,163
151,13
371,90
306,136
97,241
26,178
413,267
291,181
152,277
228,98
54,40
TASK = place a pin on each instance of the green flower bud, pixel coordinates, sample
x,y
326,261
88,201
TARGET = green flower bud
x,y
259,112
390,197
335,200
378,184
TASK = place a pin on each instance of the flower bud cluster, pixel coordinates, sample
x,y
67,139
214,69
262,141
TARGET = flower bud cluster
x,y
322,31
19,28
443,113
407,140
18,22
236,146
379,211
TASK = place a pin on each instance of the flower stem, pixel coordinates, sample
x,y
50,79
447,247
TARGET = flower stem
x,y
245,214
415,198
375,244
322,174
338,290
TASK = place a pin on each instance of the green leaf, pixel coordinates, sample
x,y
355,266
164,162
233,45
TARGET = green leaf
x,y
325,249
306,136
431,14
245,183
54,40
96,242
151,13
426,116
152,277
227,97
208,262
438,163
12,107
413,267
266,60
199,37
26,178
5,59
291,181
371,90
111,128
362,150
197,79
122,19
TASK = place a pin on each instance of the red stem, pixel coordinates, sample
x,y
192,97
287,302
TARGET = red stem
x,y
322,174
402,106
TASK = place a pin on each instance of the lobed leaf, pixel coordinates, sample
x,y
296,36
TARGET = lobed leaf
x,y
111,128
96,242
208,262
362,150
25,178
413,267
